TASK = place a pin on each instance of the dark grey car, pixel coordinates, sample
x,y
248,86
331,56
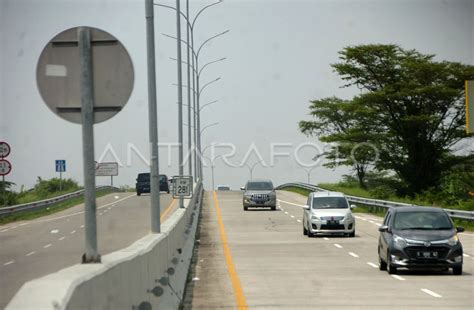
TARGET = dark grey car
x,y
259,194
419,237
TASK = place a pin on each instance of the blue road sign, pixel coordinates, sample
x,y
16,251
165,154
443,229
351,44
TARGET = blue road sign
x,y
60,165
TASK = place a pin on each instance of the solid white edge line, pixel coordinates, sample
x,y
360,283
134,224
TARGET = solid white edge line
x,y
397,277
290,203
427,291
372,264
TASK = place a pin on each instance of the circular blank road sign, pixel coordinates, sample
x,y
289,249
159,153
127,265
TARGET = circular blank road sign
x,y
4,149
5,167
58,75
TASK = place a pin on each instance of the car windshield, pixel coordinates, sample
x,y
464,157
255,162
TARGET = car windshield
x,y
330,203
422,220
259,186
143,177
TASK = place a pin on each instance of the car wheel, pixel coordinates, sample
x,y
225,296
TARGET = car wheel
x,y
168,191
382,264
274,208
246,208
305,231
138,193
352,234
390,268
457,271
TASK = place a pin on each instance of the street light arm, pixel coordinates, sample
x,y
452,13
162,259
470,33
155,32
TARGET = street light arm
x,y
205,42
207,84
202,10
182,41
210,63
180,12
184,62
210,125
207,104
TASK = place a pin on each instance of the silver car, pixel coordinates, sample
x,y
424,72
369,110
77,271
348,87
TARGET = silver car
x,y
328,213
259,194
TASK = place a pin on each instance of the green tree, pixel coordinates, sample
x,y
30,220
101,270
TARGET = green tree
x,y
416,108
344,125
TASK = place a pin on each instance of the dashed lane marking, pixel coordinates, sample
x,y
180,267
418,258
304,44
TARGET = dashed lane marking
x,y
31,253
338,246
353,254
9,263
398,277
427,291
372,265
47,246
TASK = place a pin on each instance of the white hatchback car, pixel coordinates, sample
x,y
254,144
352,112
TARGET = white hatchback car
x,y
328,213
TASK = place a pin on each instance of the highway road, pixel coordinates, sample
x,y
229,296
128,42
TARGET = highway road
x,y
31,249
261,260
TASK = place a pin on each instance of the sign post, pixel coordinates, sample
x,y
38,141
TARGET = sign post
x,y
60,167
469,107
5,167
85,76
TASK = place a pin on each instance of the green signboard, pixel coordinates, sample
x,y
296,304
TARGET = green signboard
x,y
470,106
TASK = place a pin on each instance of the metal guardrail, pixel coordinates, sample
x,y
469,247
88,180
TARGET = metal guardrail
x,y
457,214
41,204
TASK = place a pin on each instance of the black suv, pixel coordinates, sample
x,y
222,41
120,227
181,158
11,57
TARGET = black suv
x,y
143,183
419,237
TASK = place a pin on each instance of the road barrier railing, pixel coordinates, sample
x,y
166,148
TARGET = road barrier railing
x,y
383,204
45,203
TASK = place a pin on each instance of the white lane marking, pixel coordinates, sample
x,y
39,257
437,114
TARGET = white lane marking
x,y
82,226
54,231
357,217
81,212
398,277
363,219
378,224
116,197
73,232
372,265
5,230
292,216
465,255
338,246
47,246
9,263
427,291
326,238
31,253
371,221
299,221
290,203
286,212
353,254
62,238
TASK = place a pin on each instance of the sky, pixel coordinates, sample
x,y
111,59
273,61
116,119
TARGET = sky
x,y
278,56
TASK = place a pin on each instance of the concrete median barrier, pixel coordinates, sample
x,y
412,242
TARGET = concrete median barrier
x,y
149,274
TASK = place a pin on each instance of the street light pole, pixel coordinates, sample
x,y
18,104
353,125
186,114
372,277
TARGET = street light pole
x,y
152,118
252,167
188,54
180,95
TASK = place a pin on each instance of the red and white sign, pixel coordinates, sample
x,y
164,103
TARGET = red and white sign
x,y
4,149
5,167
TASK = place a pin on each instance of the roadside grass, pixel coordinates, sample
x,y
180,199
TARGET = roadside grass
x,y
57,207
378,211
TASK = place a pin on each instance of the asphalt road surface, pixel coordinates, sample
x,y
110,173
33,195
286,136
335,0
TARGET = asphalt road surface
x,y
261,260
31,249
